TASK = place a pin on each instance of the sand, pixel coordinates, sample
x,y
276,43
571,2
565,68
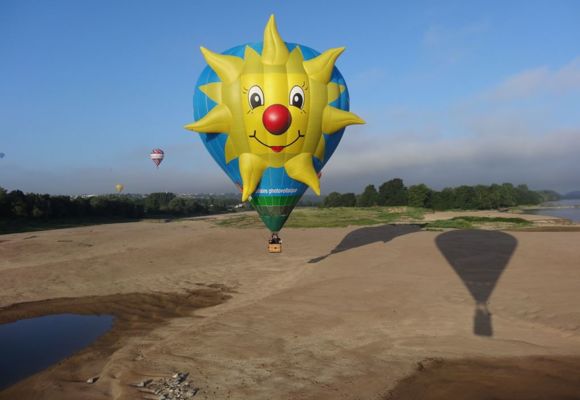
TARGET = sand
x,y
383,312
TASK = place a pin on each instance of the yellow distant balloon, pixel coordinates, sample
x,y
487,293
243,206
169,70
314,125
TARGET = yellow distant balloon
x,y
119,187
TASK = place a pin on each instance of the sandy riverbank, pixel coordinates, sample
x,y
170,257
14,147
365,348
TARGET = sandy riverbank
x,y
348,313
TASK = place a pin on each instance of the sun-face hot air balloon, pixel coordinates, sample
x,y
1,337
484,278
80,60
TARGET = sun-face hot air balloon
x,y
271,114
157,156
119,187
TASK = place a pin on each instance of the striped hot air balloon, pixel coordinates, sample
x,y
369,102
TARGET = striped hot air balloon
x,y
157,156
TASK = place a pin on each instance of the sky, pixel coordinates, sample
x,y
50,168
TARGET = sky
x,y
453,92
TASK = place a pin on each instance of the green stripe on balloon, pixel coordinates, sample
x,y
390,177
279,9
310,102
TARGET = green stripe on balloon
x,y
275,200
274,215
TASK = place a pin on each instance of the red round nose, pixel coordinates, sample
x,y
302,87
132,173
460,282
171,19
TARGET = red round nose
x,y
277,119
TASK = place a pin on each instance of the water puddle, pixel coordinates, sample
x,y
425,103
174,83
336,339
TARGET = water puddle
x,y
75,336
30,345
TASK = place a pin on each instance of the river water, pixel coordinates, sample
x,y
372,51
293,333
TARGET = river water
x,y
569,209
31,345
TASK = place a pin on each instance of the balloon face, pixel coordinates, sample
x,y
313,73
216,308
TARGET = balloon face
x,y
271,114
157,156
119,188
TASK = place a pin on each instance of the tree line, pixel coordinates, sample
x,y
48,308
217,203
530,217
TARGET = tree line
x,y
16,204
478,197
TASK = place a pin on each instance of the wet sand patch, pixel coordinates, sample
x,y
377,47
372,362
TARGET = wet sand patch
x,y
517,378
135,314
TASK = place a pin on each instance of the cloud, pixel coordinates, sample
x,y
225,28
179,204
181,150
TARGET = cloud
x,y
544,161
488,137
449,45
368,77
542,80
439,35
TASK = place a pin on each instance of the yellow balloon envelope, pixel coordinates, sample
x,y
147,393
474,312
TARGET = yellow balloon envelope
x,y
271,114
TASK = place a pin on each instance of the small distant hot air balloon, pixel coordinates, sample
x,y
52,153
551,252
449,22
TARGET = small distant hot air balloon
x,y
157,156
2,155
119,187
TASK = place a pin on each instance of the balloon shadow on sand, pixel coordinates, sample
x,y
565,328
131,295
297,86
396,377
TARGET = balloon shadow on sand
x,y
363,236
478,257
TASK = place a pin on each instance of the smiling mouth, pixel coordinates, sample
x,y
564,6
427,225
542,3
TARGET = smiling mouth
x,y
277,149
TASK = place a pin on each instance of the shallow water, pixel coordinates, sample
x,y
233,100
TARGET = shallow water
x,y
31,345
572,212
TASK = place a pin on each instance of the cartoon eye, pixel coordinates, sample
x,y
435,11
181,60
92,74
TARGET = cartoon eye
x,y
255,97
297,97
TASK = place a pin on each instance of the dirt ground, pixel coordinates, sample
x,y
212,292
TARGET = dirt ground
x,y
381,312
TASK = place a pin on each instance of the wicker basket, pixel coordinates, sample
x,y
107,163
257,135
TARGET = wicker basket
x,y
274,248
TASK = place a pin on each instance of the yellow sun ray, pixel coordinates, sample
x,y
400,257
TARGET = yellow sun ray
x,y
334,119
227,67
320,149
320,68
275,51
301,168
216,121
230,150
334,91
251,169
213,91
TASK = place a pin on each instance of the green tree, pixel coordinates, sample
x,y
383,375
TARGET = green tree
x,y
158,202
465,198
348,200
507,195
18,204
332,200
482,197
178,206
525,196
40,205
369,197
420,196
549,195
4,203
82,207
183,206
393,193
443,200
58,206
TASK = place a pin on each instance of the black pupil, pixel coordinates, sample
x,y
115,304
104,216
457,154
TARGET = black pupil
x,y
297,100
255,100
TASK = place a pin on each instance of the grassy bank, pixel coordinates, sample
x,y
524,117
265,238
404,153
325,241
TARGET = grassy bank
x,y
333,217
468,222
342,217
